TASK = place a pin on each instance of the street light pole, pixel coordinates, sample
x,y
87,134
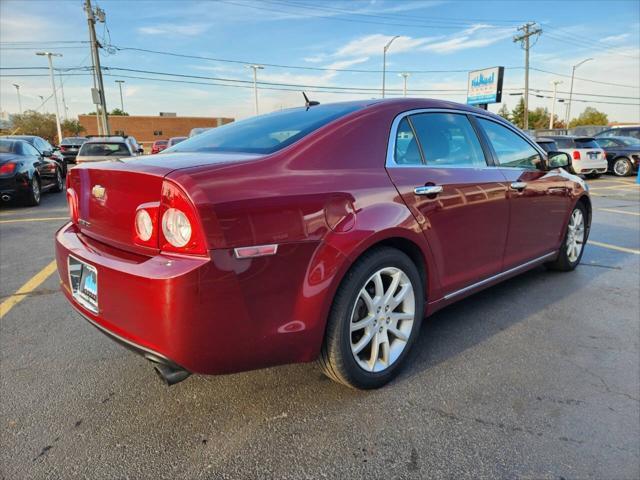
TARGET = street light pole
x,y
384,61
19,100
64,102
53,87
573,72
553,105
255,69
120,82
404,75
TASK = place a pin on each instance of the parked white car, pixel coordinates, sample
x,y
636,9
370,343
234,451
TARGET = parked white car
x,y
100,148
588,158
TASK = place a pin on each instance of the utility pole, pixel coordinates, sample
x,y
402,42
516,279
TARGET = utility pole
x,y
19,100
404,75
553,104
53,87
64,102
255,69
528,31
95,56
573,73
384,61
120,82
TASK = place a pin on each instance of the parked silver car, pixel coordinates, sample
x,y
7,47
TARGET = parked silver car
x,y
101,148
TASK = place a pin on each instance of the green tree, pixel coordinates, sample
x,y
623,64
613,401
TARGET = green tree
x,y
117,111
504,112
590,116
71,127
517,114
36,123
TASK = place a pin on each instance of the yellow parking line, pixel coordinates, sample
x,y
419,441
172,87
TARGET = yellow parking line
x,y
41,219
614,247
613,210
31,284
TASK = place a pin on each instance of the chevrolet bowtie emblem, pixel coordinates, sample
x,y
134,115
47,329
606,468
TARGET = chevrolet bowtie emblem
x,y
98,192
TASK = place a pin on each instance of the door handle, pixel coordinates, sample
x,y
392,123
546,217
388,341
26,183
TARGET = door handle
x,y
518,186
428,190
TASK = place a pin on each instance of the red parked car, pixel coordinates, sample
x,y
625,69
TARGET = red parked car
x,y
322,233
158,146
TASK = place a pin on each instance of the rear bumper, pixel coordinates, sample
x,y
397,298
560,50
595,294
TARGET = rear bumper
x,y
586,167
207,315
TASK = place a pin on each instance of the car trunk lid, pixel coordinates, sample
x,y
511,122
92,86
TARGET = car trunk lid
x,y
109,193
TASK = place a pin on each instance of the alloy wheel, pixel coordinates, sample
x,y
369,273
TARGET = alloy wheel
x,y
382,319
59,180
621,168
575,235
35,188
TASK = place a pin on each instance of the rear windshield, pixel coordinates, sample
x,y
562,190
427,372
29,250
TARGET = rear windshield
x,y
586,143
548,145
266,133
564,142
73,141
103,149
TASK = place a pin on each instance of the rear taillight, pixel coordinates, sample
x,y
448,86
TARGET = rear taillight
x,y
72,201
145,230
180,230
63,148
576,155
8,168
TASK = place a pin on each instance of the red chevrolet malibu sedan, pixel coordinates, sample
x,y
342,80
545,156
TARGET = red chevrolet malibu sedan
x,y
322,233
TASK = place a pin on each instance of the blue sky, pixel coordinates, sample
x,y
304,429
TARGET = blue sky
x,y
449,36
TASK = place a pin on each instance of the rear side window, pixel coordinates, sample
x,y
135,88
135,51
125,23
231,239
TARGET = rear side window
x,y
266,133
448,140
512,150
407,150
586,143
103,149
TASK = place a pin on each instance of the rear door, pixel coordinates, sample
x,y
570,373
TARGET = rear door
x,y
538,199
440,169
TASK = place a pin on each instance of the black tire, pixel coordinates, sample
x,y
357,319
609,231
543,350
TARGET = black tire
x,y
564,262
337,360
622,167
59,185
594,175
34,193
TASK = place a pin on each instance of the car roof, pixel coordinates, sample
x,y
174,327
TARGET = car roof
x,y
545,140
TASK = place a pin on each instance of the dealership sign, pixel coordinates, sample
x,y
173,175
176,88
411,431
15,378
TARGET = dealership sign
x,y
485,86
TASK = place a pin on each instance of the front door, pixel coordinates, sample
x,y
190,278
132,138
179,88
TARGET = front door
x,y
538,199
440,170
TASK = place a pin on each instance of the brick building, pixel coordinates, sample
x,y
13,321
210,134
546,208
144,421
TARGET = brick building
x,y
148,128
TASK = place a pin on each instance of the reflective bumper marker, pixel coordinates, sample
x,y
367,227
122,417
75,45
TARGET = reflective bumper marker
x,y
257,251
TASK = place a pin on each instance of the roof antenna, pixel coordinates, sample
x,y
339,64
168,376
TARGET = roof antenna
x,y
309,103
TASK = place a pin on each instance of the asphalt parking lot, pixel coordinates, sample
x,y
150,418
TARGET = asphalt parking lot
x,y
538,377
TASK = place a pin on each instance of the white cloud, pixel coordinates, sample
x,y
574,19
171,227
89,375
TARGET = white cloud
x,y
616,38
373,45
189,29
476,36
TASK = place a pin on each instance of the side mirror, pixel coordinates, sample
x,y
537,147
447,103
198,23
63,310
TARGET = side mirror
x,y
140,150
47,153
559,160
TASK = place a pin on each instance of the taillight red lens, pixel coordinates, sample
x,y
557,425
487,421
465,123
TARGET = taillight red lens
x,y
576,155
72,200
180,231
63,148
8,168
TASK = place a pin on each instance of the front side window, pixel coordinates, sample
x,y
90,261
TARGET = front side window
x,y
28,149
407,150
265,133
448,140
512,150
